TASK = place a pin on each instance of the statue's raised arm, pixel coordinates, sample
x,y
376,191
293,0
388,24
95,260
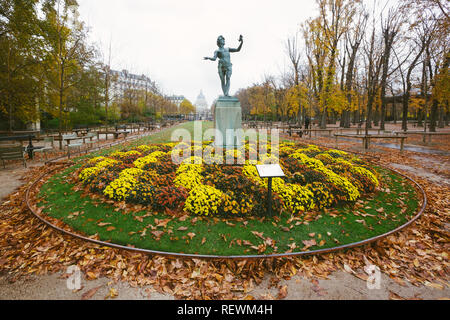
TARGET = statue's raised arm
x,y
241,40
225,66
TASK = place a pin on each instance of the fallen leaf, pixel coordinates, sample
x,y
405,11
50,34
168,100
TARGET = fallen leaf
x,y
394,296
258,234
434,285
309,243
91,275
348,269
89,294
191,235
282,292
102,224
112,294
163,223
157,234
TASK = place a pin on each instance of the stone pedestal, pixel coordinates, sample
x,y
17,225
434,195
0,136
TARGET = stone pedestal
x,y
228,121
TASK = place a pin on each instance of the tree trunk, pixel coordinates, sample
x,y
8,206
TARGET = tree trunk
x,y
8,93
323,120
394,112
405,110
433,115
441,117
61,106
106,94
341,123
376,116
369,113
384,76
420,117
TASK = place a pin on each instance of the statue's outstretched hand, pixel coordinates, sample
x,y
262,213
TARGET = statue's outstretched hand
x,y
241,39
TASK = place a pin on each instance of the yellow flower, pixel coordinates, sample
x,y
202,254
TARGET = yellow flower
x,y
152,157
87,173
203,200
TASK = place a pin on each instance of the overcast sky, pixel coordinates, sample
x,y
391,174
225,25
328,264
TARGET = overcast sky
x,y
167,39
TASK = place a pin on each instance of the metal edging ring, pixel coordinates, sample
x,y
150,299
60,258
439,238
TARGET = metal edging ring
x,y
218,257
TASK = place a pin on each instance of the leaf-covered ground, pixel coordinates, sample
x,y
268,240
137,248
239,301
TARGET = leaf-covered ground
x,y
417,254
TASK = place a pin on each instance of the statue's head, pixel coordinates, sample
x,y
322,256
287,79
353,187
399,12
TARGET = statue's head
x,y
220,41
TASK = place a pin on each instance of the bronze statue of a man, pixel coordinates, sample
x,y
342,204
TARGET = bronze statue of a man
x,y
225,65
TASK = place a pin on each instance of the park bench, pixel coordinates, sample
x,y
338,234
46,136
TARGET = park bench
x,y
116,134
295,130
319,130
134,128
12,152
81,131
91,140
34,133
153,126
45,148
283,127
68,138
423,133
366,138
22,138
360,130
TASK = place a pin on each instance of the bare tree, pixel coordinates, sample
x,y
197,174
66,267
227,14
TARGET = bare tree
x,y
335,16
294,57
390,30
374,61
423,35
352,45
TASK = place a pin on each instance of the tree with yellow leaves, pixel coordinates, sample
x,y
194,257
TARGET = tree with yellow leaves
x,y
262,99
186,107
322,36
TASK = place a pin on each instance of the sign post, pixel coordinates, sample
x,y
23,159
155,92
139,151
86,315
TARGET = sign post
x,y
269,171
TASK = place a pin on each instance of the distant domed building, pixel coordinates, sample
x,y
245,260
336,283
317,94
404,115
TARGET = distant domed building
x,y
202,107
201,103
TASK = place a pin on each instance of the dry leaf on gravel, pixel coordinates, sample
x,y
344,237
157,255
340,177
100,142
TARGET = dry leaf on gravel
x,y
89,294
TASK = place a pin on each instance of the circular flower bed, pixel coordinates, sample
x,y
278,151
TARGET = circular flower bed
x,y
146,175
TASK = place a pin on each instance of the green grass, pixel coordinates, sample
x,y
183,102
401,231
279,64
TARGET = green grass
x,y
330,228
162,136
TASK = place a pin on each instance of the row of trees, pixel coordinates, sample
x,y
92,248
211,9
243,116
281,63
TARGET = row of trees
x,y
50,72
139,104
355,61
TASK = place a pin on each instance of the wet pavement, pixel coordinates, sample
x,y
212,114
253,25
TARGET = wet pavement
x,y
408,147
413,148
